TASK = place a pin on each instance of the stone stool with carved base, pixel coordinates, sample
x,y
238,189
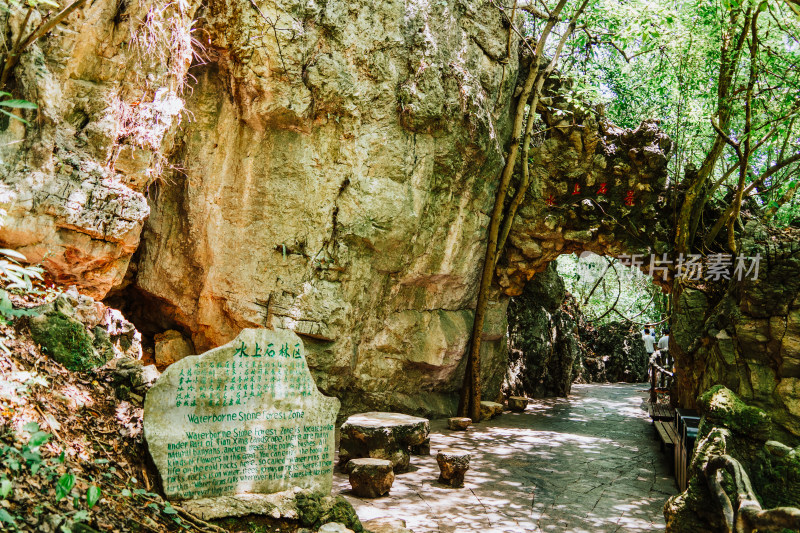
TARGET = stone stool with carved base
x,y
453,464
370,478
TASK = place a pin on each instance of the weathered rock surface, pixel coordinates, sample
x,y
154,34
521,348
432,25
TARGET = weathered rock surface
x,y
332,183
491,410
386,525
334,527
131,379
731,427
382,436
171,346
82,334
544,339
314,510
615,353
587,175
459,423
333,180
453,466
746,336
370,478
106,85
517,403
257,392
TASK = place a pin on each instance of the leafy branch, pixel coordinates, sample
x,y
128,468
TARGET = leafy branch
x,y
12,57
470,401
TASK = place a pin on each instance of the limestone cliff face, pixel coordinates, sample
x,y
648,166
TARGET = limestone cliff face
x,y
107,83
333,181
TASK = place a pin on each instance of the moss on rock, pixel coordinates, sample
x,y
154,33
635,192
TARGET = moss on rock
x,y
66,339
313,511
721,407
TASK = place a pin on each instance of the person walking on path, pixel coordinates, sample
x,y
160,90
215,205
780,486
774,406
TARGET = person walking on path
x,y
649,342
649,347
664,360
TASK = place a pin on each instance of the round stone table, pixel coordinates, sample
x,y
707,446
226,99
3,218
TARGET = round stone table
x,y
383,436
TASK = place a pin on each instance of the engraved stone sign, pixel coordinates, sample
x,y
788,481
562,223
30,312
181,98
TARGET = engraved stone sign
x,y
244,418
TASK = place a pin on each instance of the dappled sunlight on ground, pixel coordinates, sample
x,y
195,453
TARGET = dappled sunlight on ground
x,y
586,463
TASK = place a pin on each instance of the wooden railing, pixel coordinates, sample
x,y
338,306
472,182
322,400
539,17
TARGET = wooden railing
x,y
660,377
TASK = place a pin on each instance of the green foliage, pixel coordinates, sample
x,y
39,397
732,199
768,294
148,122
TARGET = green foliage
x,y
64,486
607,291
14,276
24,461
15,104
93,496
663,59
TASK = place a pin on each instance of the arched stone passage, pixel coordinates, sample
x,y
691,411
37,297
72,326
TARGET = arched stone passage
x,y
738,333
596,187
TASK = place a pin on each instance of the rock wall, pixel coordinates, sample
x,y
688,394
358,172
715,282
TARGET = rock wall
x,y
614,352
321,166
335,182
550,345
746,334
731,427
545,353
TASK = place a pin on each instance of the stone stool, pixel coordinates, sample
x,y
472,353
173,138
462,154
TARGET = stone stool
x,y
459,423
453,464
517,403
370,478
491,410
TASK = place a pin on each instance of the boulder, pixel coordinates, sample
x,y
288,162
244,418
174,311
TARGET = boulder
x,y
491,410
258,390
334,527
370,478
721,407
459,423
614,353
453,464
314,510
129,376
545,353
517,403
171,346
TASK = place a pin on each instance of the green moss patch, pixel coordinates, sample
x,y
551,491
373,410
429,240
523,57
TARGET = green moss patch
x,y
723,408
66,340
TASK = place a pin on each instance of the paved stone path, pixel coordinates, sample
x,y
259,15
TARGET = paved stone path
x,y
588,463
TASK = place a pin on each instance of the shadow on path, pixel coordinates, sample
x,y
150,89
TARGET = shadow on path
x,y
587,463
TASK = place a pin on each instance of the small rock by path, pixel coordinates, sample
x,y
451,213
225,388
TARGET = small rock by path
x,y
584,464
